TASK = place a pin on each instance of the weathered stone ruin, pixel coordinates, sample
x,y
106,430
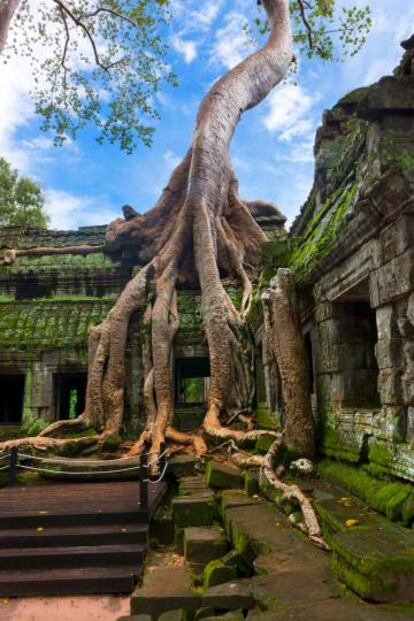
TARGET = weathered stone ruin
x,y
48,303
351,250
351,253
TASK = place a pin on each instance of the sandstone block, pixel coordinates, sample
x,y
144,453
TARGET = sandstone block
x,y
195,510
223,476
202,545
389,386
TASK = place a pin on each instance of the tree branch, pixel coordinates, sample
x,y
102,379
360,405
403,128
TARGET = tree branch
x,y
67,39
78,22
103,9
310,33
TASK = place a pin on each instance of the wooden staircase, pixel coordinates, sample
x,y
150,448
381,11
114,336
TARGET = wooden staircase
x,y
73,538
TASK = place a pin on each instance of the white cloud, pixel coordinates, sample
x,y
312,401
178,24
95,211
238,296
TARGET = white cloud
x,y
187,49
209,13
231,44
192,18
16,109
68,211
288,109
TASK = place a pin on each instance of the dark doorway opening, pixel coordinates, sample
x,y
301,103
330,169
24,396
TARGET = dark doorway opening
x,y
309,351
191,380
70,389
11,403
357,340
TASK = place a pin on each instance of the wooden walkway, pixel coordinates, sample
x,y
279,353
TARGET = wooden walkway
x,y
72,538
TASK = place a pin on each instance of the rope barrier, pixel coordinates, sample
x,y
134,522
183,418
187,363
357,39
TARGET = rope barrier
x,y
96,461
154,461
71,472
86,472
27,456
160,478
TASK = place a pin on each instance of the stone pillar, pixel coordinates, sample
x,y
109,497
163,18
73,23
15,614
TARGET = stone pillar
x,y
389,354
38,398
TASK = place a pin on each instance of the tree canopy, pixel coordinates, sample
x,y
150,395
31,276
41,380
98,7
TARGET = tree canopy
x,y
21,200
101,62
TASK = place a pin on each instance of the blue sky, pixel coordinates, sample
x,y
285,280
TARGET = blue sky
x,y
85,183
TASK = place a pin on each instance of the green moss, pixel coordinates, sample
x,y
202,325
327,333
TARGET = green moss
x,y
377,563
323,231
406,160
251,483
193,511
243,545
392,498
265,418
253,305
221,476
365,586
263,444
60,264
216,572
335,445
45,323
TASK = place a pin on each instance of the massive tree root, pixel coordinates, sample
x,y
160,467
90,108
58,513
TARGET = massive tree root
x,y
290,491
198,233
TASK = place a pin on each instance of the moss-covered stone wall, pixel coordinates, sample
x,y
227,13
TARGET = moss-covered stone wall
x,y
352,253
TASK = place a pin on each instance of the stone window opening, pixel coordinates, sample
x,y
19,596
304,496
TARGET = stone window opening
x,y
357,339
11,403
70,390
192,376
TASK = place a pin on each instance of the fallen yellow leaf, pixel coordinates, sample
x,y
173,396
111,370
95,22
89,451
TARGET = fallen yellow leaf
x,y
351,522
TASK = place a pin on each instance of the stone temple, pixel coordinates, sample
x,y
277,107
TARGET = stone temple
x,y
351,250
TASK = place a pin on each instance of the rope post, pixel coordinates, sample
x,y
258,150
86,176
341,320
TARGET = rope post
x,y
14,457
143,484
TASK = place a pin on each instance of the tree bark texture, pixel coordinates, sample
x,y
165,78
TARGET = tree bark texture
x,y
293,363
199,230
7,10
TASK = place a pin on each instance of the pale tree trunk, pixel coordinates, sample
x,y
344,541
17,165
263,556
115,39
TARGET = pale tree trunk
x,y
199,230
293,363
199,226
7,10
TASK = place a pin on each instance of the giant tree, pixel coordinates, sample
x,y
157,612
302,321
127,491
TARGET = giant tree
x,y
199,232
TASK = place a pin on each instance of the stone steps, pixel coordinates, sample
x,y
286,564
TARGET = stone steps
x,y
270,572
374,557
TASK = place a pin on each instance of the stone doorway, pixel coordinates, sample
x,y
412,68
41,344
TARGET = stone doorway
x,y
11,403
192,376
358,336
70,390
